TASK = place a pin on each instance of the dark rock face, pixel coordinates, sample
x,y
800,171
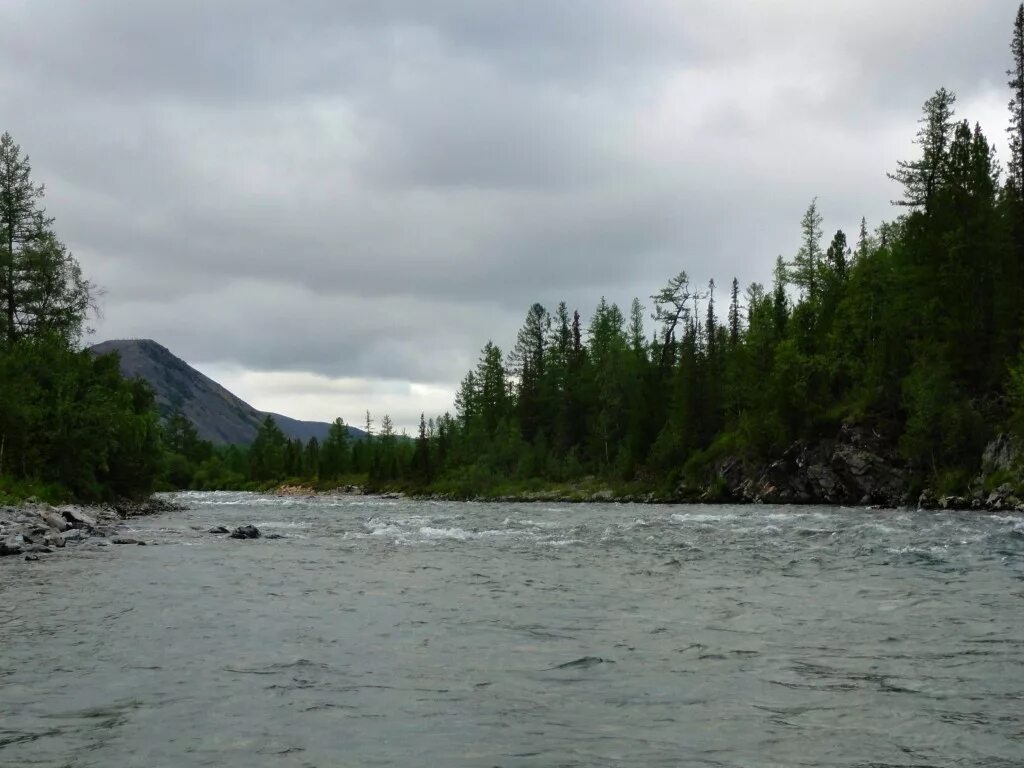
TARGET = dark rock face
x,y
1002,454
856,467
246,532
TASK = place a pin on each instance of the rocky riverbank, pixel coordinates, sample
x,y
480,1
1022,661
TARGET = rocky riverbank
x,y
856,467
859,467
34,530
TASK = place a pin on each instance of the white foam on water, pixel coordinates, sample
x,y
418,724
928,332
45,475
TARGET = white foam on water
x,y
702,517
459,534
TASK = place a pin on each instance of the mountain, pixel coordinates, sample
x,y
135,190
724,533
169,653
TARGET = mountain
x,y
218,415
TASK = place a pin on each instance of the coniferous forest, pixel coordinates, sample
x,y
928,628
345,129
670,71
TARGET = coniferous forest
x,y
909,332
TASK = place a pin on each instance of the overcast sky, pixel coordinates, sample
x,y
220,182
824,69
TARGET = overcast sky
x,y
332,205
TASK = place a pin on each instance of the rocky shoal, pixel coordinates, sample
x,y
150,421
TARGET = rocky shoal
x,y
36,529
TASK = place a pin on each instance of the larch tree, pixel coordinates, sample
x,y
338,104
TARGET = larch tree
x,y
42,291
671,307
806,266
921,178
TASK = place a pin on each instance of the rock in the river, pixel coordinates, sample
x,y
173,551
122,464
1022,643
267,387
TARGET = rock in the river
x,y
246,532
31,558
218,529
38,549
121,540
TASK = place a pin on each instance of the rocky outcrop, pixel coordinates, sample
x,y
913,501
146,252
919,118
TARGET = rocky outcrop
x,y
246,532
1002,454
857,466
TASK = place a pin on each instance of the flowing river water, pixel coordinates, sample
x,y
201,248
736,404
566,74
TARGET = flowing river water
x,y
414,633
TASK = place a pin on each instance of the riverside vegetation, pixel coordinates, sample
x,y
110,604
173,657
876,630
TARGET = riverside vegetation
x,y
884,368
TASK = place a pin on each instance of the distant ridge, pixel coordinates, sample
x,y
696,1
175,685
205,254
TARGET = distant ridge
x,y
218,415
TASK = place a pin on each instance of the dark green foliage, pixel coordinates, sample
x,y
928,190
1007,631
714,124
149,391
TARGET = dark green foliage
x,y
69,419
69,423
42,291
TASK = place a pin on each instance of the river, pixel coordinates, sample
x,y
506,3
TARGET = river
x,y
411,633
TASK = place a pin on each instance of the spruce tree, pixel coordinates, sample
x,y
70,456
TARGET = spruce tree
x,y
636,328
734,314
1016,129
863,239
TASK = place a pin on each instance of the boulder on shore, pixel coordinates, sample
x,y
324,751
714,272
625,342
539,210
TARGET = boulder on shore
x,y
9,547
77,518
54,520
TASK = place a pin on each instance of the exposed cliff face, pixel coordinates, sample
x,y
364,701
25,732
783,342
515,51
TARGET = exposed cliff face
x,y
218,415
855,467
860,467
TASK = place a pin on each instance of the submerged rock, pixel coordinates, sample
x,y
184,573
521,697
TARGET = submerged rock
x,y
246,532
584,662
218,529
